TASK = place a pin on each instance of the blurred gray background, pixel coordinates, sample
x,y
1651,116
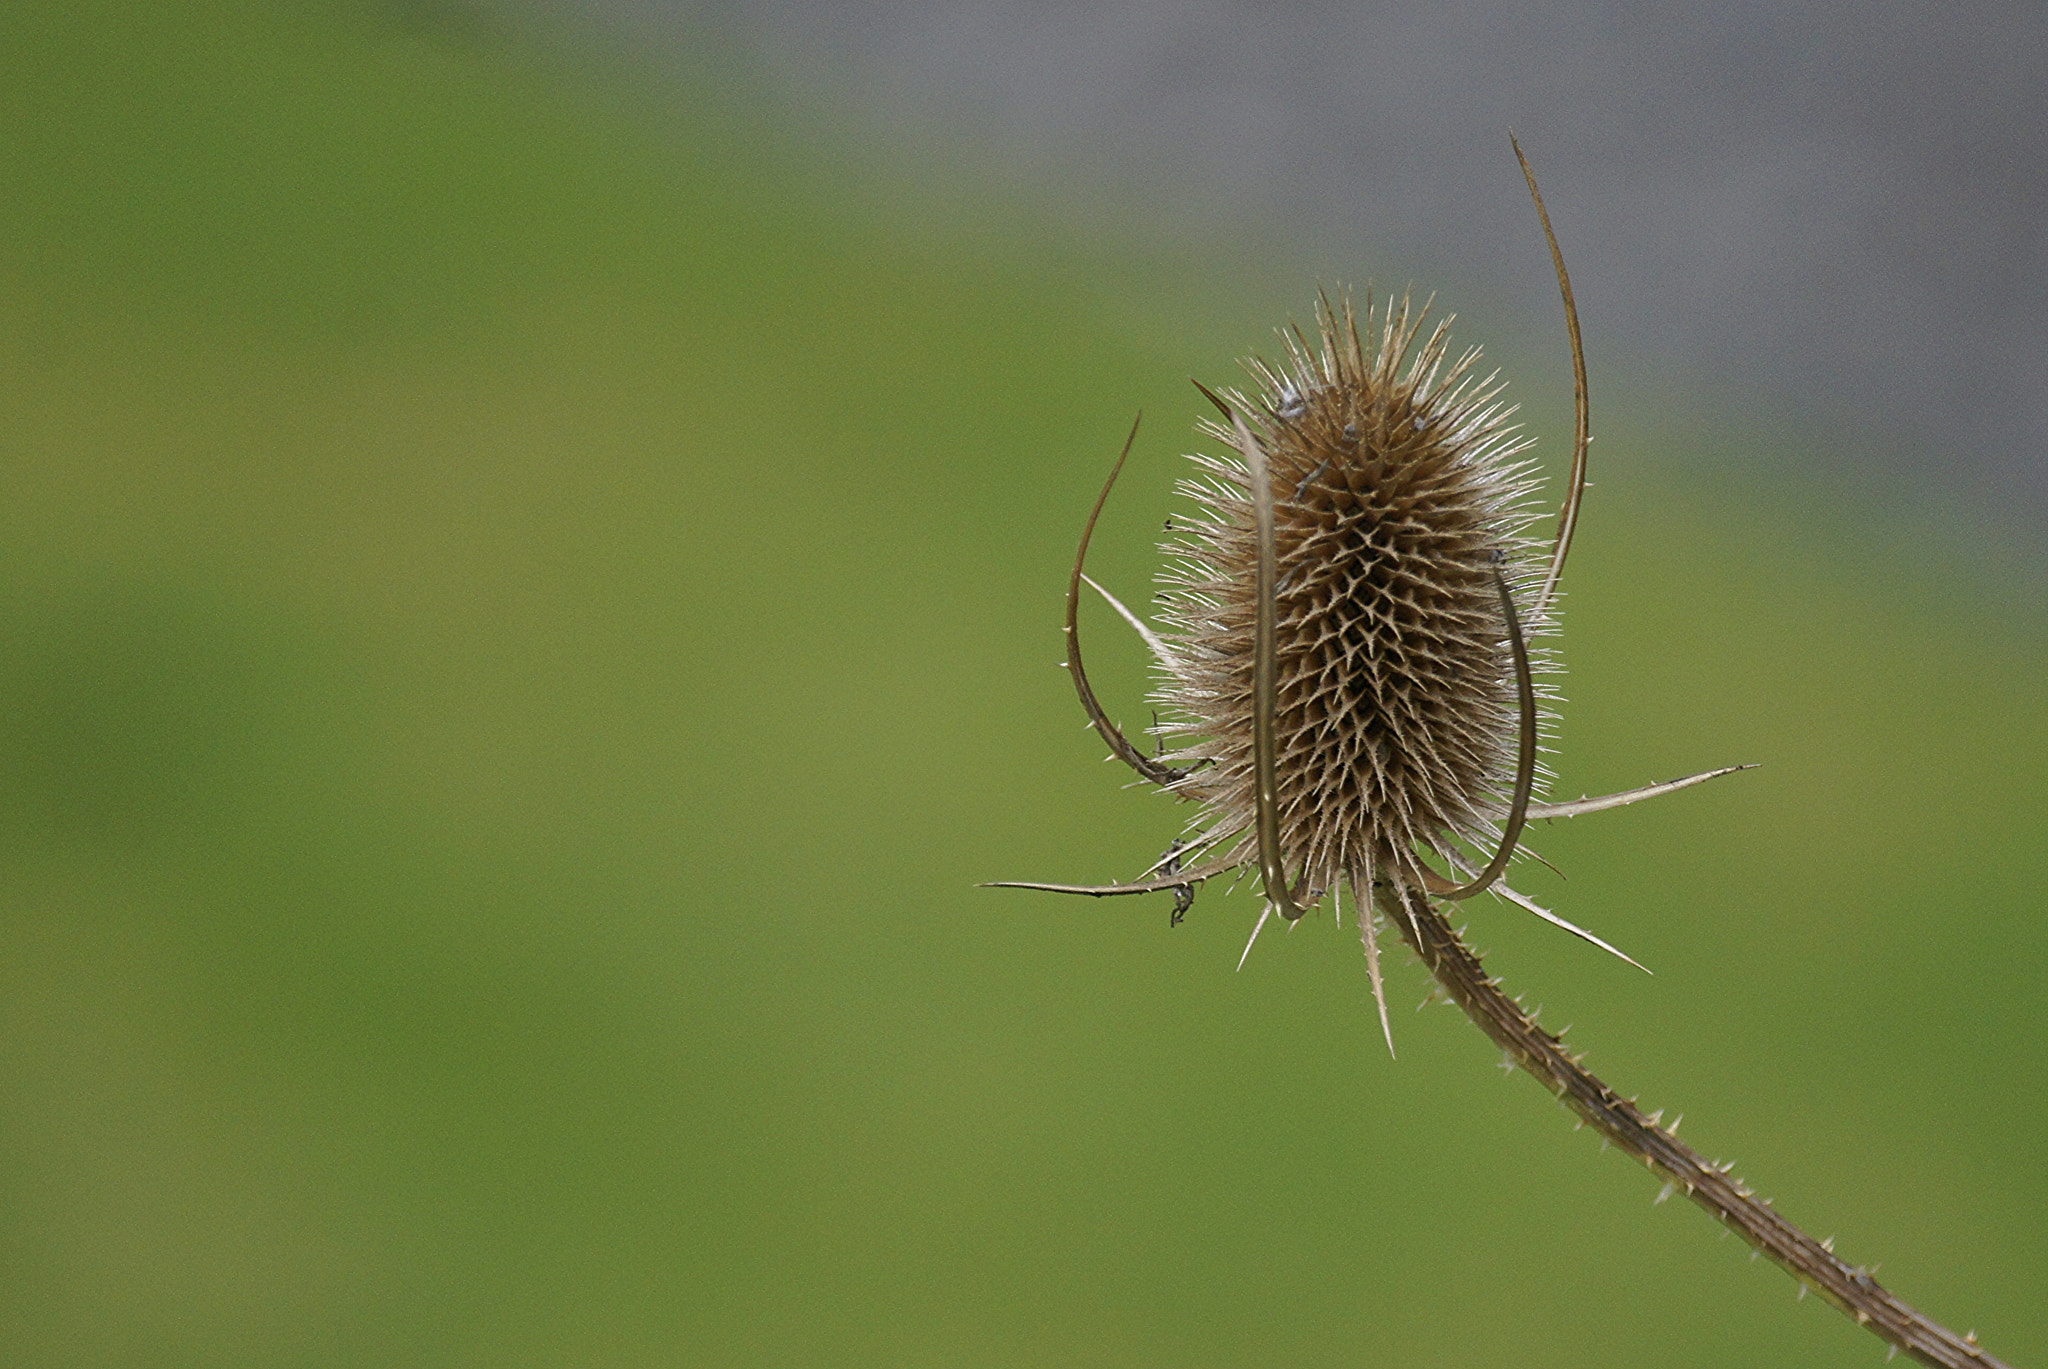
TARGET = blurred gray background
x,y
1814,231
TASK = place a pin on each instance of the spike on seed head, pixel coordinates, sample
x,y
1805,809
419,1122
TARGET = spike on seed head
x,y
1400,507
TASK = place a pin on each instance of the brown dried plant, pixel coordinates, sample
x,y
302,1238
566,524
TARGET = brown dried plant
x,y
1355,692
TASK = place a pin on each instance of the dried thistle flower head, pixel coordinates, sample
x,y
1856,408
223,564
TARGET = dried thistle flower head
x,y
1344,662
1349,674
1399,506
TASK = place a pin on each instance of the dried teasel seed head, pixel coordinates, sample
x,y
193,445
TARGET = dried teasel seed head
x,y
1400,508
1348,665
1346,657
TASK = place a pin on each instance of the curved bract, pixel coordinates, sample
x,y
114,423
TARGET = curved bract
x,y
1120,745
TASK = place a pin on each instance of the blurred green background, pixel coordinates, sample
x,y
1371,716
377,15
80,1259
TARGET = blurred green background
x,y
526,608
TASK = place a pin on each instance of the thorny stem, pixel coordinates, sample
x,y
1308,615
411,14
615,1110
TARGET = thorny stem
x,y
1848,1287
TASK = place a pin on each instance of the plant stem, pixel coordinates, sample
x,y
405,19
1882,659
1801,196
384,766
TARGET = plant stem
x,y
1848,1287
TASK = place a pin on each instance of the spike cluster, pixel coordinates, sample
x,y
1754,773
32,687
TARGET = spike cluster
x,y
1399,506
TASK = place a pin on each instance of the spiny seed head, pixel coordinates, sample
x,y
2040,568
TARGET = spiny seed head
x,y
1398,499
1347,661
